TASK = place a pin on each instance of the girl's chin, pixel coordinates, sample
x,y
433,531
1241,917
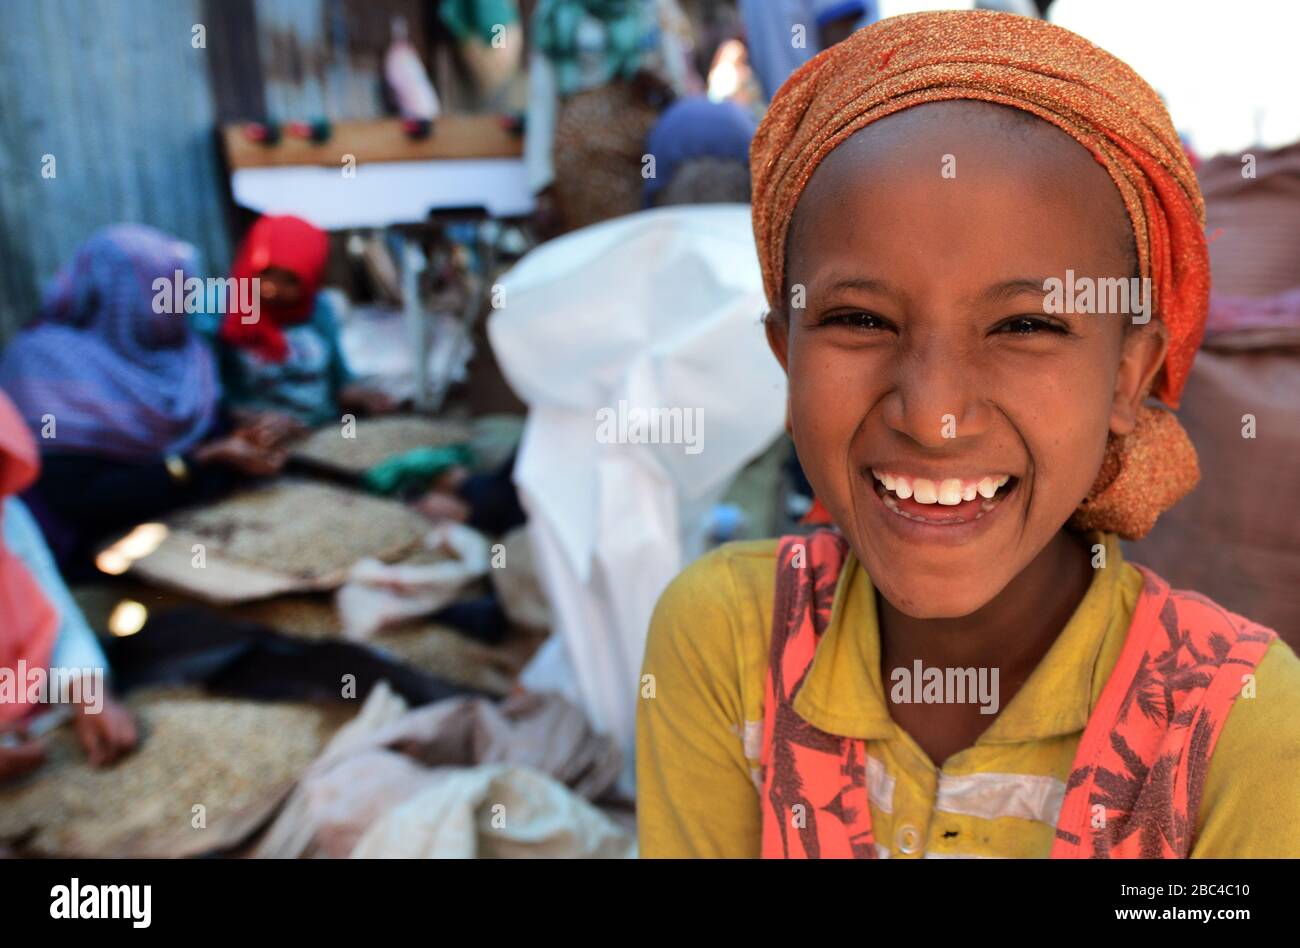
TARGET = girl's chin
x,y
922,573
931,598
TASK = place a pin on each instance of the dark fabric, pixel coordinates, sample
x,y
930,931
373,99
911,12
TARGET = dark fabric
x,y
481,618
82,501
493,500
243,659
101,494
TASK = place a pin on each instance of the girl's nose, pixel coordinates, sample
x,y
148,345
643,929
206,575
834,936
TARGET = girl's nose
x,y
937,396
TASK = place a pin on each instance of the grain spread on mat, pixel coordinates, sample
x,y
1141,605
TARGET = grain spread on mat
x,y
235,758
377,440
304,529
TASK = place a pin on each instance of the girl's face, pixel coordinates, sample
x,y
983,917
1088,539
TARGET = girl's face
x,y
925,372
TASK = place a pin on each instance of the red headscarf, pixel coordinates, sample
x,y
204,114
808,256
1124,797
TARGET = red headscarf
x,y
28,622
285,243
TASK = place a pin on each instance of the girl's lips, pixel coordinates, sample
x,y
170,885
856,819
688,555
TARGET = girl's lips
x,y
944,524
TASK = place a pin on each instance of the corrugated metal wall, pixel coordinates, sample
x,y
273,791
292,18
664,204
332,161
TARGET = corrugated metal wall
x,y
115,92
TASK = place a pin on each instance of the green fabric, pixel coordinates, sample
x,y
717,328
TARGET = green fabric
x,y
414,470
627,31
477,19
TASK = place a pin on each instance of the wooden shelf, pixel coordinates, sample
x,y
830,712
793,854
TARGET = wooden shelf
x,y
453,137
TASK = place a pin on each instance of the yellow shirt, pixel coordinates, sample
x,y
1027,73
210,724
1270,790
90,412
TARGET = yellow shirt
x,y
699,727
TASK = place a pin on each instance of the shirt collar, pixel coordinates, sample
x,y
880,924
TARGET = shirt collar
x,y
843,693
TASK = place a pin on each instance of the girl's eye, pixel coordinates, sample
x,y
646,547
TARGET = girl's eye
x,y
855,320
1029,326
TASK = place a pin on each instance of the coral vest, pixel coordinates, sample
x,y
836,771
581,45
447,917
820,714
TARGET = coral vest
x,y
1135,785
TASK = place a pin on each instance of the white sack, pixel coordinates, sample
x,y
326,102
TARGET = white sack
x,y
660,309
377,594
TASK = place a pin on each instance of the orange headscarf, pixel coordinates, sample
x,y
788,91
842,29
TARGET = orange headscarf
x,y
28,622
1063,79
1019,62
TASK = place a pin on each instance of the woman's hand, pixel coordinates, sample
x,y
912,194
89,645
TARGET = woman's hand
x,y
271,429
240,452
107,735
366,401
439,507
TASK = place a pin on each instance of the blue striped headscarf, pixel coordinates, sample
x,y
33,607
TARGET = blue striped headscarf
x,y
119,379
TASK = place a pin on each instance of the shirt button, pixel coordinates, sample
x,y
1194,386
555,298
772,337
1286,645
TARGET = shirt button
x,y
908,839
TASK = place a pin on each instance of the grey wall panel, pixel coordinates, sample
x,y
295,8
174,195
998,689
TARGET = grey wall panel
x,y
114,90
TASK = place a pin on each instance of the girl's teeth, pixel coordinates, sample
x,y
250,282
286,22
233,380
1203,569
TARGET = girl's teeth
x,y
950,492
924,491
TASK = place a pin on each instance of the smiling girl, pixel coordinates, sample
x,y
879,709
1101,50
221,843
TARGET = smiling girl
x,y
917,190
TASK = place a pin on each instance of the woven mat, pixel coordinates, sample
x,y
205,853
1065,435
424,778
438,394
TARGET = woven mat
x,y
376,440
235,759
291,536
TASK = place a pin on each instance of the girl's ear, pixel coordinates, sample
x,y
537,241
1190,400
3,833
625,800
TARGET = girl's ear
x,y
777,325
1143,354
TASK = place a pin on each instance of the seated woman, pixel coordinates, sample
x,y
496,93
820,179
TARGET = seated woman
x,y
124,400
286,358
41,626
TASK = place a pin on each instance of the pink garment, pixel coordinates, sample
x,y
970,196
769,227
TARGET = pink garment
x,y
28,622
1249,317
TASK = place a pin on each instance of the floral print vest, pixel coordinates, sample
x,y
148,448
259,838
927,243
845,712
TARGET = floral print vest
x,y
1135,784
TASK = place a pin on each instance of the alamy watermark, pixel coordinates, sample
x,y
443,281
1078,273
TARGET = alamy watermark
x,y
921,685
36,684
77,900
655,425
178,294
1120,296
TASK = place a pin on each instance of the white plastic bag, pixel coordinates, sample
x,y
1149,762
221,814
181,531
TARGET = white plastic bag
x,y
377,594
495,811
659,309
